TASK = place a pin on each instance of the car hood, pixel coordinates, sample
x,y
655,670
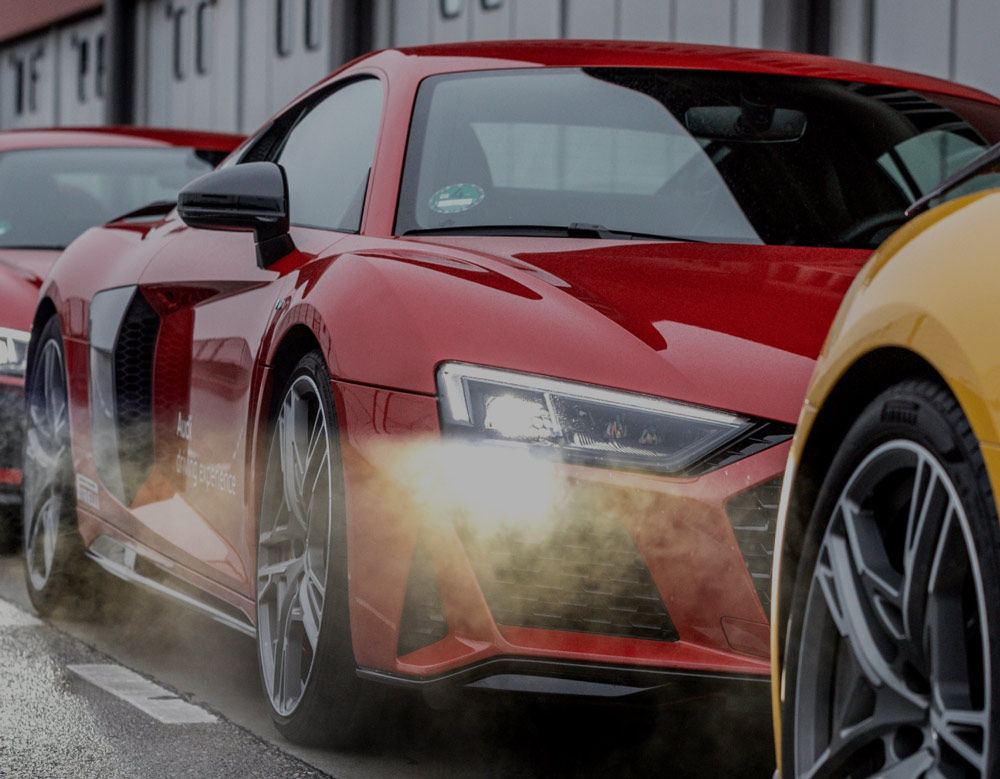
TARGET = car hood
x,y
739,325
18,296
31,264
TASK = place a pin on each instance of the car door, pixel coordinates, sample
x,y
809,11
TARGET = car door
x,y
192,332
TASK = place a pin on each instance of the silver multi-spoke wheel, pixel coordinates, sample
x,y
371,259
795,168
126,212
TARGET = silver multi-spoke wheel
x,y
293,547
893,673
52,550
46,453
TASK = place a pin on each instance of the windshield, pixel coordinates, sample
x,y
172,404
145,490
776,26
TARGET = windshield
x,y
50,196
711,156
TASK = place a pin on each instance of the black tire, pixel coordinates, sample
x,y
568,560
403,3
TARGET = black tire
x,y
54,561
307,669
10,529
892,659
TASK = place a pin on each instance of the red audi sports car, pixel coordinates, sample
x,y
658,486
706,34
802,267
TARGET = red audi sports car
x,y
54,184
477,366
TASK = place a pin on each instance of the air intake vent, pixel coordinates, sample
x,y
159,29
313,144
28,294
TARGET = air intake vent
x,y
423,621
583,575
133,366
754,516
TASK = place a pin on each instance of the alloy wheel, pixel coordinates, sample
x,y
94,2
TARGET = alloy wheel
x,y
46,464
293,545
894,667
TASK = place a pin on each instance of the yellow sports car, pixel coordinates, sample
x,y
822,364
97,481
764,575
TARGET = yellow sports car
x,y
886,595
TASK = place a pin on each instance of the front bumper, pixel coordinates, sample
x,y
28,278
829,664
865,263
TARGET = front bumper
x,y
619,571
591,682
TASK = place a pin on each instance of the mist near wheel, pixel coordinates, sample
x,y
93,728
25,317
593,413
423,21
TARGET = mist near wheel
x,y
513,520
546,543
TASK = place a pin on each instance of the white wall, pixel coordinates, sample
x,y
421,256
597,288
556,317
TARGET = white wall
x,y
28,75
221,64
188,52
412,22
952,39
82,73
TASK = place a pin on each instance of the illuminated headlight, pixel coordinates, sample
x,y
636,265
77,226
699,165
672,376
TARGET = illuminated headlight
x,y
13,351
580,422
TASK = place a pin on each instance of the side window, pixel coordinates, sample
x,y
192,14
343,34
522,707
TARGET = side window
x,y
920,163
328,154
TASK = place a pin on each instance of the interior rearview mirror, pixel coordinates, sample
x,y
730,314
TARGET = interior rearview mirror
x,y
749,122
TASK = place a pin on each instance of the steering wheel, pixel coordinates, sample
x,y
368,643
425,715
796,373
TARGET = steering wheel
x,y
868,228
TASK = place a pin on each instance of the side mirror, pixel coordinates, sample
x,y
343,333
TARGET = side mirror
x,y
251,196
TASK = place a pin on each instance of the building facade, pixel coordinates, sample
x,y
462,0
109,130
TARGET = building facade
x,y
230,64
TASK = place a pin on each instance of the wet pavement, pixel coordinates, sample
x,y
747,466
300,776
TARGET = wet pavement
x,y
54,722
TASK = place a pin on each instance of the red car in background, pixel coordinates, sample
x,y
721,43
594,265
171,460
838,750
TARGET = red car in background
x,y
54,184
477,366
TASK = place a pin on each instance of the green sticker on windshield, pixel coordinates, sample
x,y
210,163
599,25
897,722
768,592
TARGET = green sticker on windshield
x,y
456,197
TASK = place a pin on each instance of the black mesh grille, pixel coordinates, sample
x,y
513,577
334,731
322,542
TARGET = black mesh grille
x,y
423,621
11,426
134,393
754,515
583,575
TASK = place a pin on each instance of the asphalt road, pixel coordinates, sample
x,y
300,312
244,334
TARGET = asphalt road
x,y
55,722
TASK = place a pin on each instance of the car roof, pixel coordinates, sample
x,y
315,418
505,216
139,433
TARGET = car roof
x,y
141,137
454,57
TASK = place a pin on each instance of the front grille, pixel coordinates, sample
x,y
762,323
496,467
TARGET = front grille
x,y
754,516
11,426
133,359
582,575
423,621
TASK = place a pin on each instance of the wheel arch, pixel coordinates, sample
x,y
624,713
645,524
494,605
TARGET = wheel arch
x,y
294,342
863,381
45,310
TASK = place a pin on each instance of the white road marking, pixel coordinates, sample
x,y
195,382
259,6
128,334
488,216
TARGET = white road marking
x,y
157,702
13,617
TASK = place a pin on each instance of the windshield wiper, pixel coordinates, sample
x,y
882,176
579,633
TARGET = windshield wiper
x,y
582,230
573,230
32,247
981,164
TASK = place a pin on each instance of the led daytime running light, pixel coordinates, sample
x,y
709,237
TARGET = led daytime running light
x,y
580,422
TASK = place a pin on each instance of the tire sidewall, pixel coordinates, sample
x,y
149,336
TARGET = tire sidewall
x,y
327,712
940,426
68,557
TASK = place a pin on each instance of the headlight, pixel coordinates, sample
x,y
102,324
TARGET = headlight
x,y
13,351
583,423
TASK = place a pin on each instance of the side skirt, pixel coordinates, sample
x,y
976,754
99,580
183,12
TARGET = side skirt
x,y
123,562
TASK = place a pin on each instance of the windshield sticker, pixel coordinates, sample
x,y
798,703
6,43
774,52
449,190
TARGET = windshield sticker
x,y
456,197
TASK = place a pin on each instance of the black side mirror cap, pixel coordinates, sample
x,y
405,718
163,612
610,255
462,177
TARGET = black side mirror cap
x,y
250,196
